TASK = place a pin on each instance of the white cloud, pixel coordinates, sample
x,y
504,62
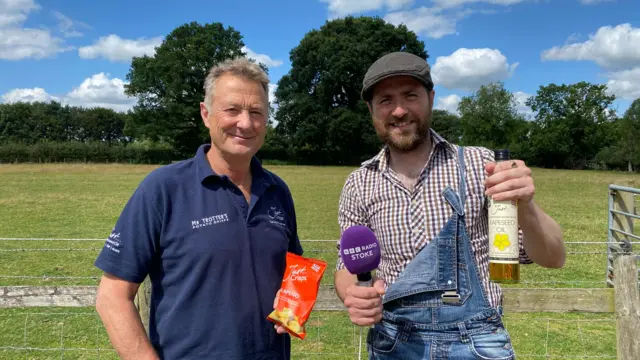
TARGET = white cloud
x,y
272,92
448,103
625,84
116,49
340,8
593,2
455,3
18,42
67,26
435,22
15,12
468,69
96,91
101,91
427,21
261,58
521,98
24,43
615,49
398,4
612,47
27,95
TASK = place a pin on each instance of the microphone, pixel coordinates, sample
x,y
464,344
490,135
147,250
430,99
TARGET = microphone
x,y
360,252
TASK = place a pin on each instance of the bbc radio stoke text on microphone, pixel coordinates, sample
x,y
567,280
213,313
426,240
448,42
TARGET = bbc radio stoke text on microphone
x,y
360,252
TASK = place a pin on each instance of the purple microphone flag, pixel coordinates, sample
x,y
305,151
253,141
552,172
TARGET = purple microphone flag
x,y
359,250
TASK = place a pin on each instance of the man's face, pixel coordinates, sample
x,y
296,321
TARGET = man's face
x,y
237,118
401,110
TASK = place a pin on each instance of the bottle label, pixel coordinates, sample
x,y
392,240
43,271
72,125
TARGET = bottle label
x,y
503,232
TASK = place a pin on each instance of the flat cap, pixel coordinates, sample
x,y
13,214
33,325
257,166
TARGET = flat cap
x,y
394,64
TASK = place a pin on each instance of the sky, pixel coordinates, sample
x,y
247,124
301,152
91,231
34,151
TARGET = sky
x,y
79,52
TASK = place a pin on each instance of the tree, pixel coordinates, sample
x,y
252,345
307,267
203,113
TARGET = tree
x,y
30,123
102,124
489,118
319,106
629,142
625,133
447,125
169,84
571,123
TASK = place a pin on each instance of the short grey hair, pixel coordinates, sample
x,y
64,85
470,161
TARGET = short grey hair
x,y
240,66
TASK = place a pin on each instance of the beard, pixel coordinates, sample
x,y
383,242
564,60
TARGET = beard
x,y
404,134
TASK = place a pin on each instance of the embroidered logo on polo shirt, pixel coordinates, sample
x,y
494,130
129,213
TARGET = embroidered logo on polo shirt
x,y
276,216
113,242
211,220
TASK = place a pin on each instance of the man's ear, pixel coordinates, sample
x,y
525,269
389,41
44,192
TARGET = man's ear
x,y
204,114
370,107
432,95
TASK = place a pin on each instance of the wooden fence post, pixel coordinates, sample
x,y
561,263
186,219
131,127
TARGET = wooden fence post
x,y
627,307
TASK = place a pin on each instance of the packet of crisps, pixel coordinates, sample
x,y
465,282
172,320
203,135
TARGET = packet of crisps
x,y
298,293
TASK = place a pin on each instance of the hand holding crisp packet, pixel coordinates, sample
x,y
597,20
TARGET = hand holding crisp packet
x,y
298,293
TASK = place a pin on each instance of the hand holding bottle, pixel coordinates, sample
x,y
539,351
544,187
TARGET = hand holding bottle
x,y
508,183
509,180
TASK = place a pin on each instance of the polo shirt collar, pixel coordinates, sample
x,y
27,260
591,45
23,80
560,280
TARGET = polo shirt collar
x,y
381,160
204,170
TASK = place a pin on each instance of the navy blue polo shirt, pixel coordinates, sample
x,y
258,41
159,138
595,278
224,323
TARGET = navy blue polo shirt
x,y
215,260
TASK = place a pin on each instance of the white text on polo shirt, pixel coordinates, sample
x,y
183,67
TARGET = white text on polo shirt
x,y
276,216
113,242
211,220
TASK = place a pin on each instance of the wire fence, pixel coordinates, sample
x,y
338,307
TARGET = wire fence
x,y
80,335
64,334
77,268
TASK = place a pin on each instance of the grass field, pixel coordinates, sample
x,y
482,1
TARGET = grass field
x,y
84,201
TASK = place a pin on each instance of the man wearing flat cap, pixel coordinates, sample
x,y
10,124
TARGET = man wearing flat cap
x,y
426,200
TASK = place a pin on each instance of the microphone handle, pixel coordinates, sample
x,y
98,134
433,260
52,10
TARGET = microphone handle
x,y
365,279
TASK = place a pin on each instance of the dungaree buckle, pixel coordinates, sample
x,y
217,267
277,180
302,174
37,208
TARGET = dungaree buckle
x,y
450,297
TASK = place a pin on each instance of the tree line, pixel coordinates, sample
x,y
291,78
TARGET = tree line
x,y
52,132
317,112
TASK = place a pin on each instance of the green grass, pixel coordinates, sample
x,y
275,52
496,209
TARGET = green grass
x,y
84,201
330,335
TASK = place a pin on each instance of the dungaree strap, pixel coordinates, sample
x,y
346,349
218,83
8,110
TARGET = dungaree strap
x,y
462,186
452,296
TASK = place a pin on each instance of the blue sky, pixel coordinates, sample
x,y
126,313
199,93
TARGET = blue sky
x,y
79,52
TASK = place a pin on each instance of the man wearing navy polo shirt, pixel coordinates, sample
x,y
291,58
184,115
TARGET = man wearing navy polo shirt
x,y
212,233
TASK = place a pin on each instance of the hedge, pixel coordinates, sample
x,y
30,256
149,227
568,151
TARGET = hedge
x,y
97,152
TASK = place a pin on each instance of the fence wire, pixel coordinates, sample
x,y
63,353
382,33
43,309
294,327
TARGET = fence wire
x,y
67,335
331,335
19,245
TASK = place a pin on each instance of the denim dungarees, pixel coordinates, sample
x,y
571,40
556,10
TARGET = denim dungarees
x,y
437,308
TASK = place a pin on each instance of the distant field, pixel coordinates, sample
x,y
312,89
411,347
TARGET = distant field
x,y
84,201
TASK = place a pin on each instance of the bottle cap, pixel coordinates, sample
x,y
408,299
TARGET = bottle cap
x,y
501,154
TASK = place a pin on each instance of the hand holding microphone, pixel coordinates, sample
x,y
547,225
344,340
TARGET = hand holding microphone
x,y
360,253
